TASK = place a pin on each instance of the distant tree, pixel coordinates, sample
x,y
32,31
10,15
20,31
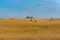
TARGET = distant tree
x,y
52,18
27,17
30,17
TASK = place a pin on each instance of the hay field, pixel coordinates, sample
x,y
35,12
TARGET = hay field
x,y
25,29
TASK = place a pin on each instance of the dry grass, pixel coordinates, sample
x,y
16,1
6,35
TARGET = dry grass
x,y
17,29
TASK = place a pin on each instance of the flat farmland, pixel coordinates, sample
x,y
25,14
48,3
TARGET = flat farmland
x,y
25,29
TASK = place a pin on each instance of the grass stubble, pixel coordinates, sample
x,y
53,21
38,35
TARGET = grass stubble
x,y
24,29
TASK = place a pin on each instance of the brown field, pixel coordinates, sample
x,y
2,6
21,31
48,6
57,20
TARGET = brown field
x,y
25,29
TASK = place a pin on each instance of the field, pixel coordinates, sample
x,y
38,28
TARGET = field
x,y
25,29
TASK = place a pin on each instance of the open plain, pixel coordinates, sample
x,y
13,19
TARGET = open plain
x,y
25,29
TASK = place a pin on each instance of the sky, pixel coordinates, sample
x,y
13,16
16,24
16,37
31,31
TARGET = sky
x,y
35,8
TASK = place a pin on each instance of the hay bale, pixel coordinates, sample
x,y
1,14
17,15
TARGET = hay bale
x,y
50,20
11,18
36,20
31,19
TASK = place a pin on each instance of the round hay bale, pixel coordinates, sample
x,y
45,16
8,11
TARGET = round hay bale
x,y
36,20
11,18
50,20
31,19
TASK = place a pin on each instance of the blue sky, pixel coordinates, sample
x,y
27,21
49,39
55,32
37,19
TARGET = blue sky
x,y
36,8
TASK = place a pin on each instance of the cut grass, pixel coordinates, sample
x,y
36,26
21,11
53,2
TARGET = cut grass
x,y
27,27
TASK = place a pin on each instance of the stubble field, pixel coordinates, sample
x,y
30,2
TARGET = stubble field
x,y
25,29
